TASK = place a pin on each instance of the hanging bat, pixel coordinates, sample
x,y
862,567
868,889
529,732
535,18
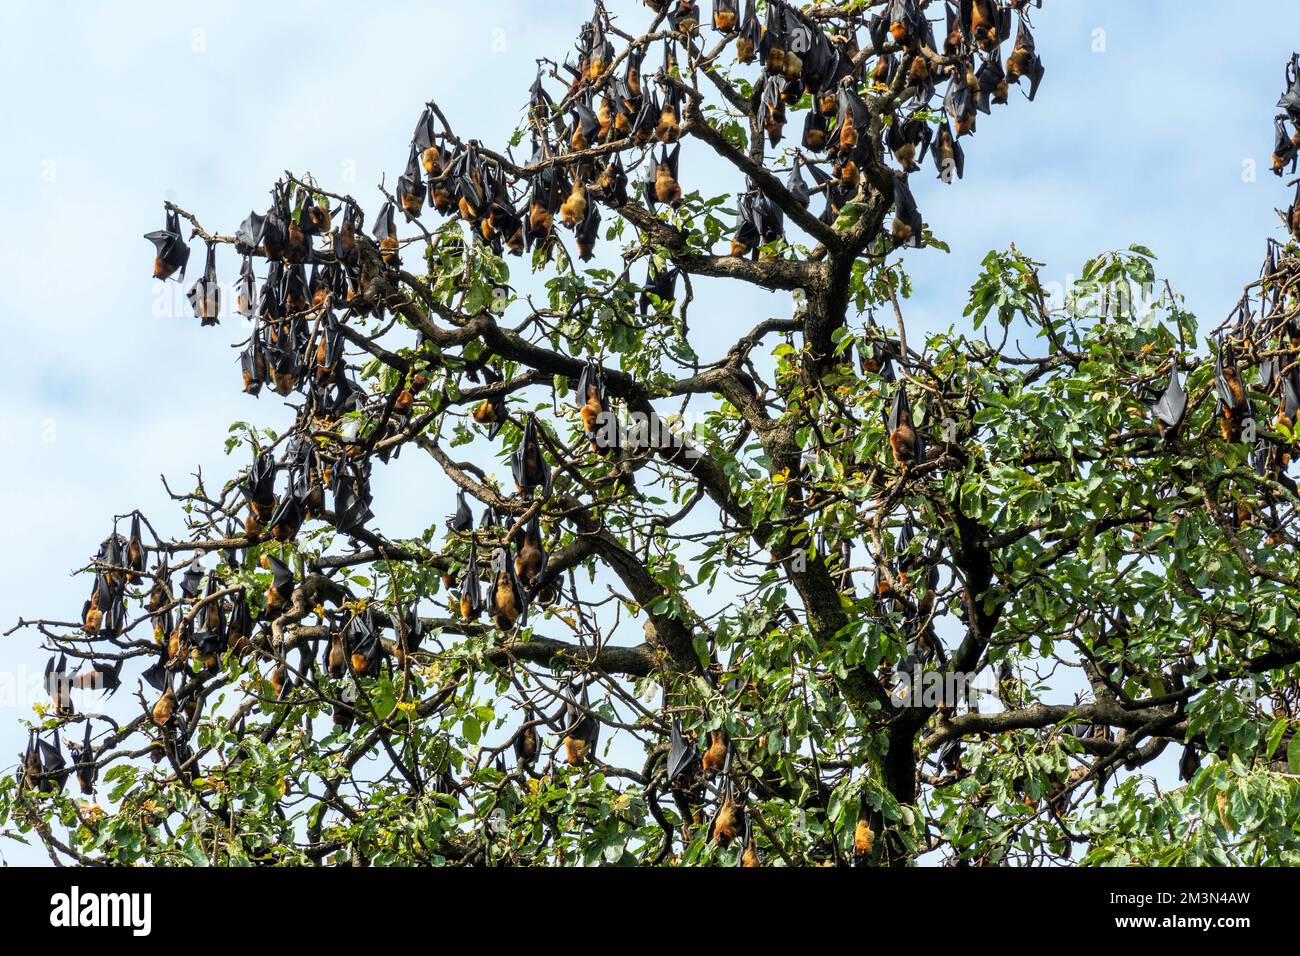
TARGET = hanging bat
x,y
1024,60
907,225
751,32
506,602
463,519
1234,405
281,589
526,742
725,15
659,283
948,154
205,294
531,557
581,729
1171,406
58,686
587,233
471,597
171,252
386,232
83,762
904,441
909,140
714,759
592,406
352,500
527,464
683,757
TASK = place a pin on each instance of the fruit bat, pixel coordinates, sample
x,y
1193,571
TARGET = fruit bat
x,y
667,186
527,464
386,232
587,233
471,595
959,102
1284,147
274,235
909,140
584,128
491,411
730,819
907,225
726,15
1024,60
714,759
52,765
683,756
205,294
506,601
1171,406
135,554
1234,405
611,185
985,23
1290,100
574,209
581,729
281,589
991,84
593,403
904,441
248,237
684,16
835,197
660,283
246,290
352,500
364,647
288,516
769,105
948,155
816,131
171,251
58,686
796,187
83,757
853,118
531,557
463,519
1188,763
526,742
751,32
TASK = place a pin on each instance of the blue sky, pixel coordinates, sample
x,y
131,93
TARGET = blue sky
x,y
111,108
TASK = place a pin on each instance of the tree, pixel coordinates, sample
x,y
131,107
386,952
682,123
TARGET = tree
x,y
968,594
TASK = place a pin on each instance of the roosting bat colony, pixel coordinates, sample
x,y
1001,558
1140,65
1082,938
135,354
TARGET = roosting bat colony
x,y
259,625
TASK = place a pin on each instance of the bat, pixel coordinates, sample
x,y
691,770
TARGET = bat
x,y
587,233
714,759
725,15
506,602
1188,763
1171,406
281,589
57,685
864,836
463,519
364,647
661,284
205,294
683,756
1233,405
904,441
531,557
425,140
171,252
593,406
959,102
751,32
352,499
907,225
948,154
611,184
1290,100
667,187
164,708
574,209
410,187
685,16
248,237
991,84
471,597
581,729
528,464
1024,60
909,140
83,758
729,821
386,232
526,742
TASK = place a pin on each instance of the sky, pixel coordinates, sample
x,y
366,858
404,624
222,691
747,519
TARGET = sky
x,y
1145,130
